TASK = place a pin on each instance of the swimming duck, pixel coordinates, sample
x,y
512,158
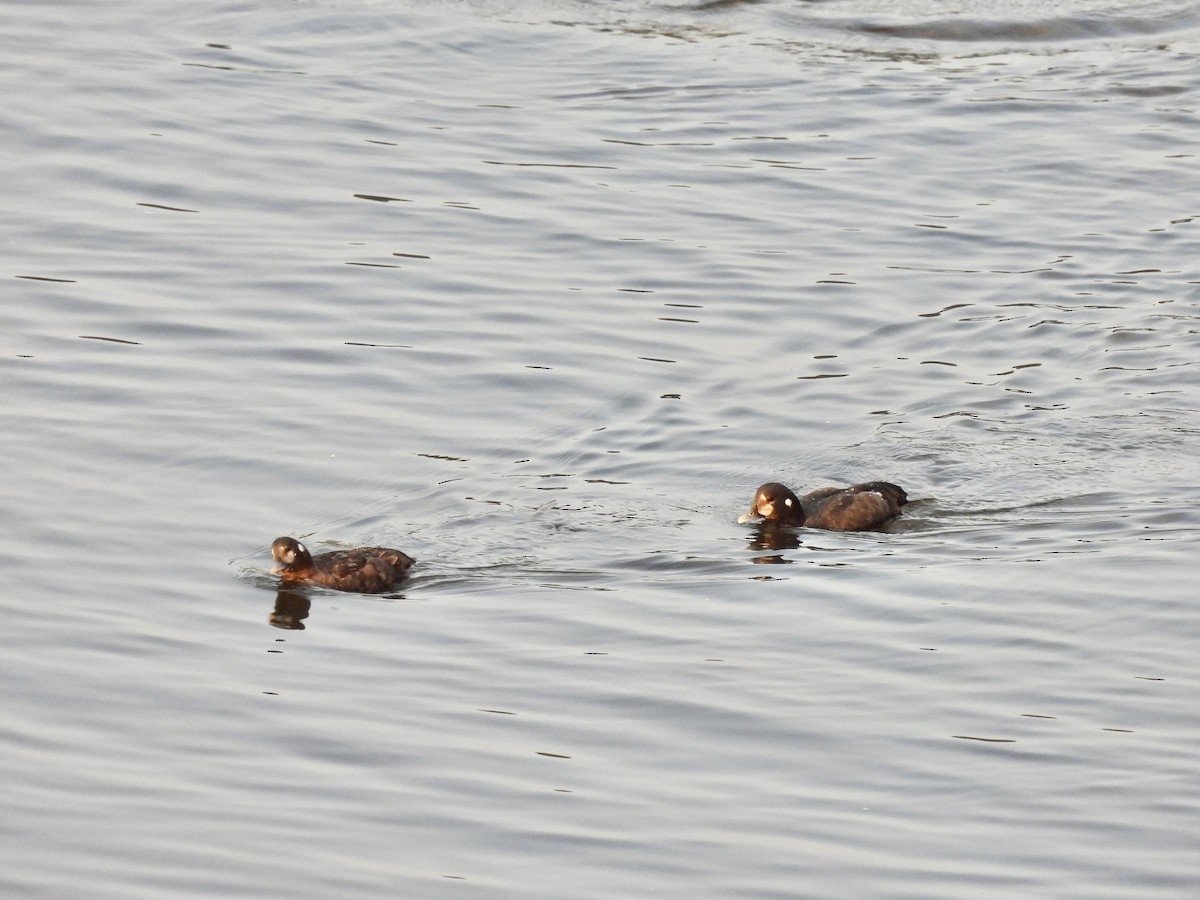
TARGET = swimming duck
x,y
860,507
364,570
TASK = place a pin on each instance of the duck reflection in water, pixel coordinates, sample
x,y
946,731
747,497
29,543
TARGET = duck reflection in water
x,y
291,609
773,536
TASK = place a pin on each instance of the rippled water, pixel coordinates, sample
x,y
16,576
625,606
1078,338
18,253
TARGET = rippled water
x,y
540,294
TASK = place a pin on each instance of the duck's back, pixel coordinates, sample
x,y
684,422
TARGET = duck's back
x,y
860,507
401,562
366,570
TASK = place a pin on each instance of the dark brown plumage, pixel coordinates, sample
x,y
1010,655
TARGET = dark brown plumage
x,y
364,570
860,507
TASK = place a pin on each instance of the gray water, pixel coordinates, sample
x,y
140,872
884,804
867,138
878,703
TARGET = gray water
x,y
539,294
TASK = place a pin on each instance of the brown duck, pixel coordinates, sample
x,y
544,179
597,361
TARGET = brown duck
x,y
860,507
364,570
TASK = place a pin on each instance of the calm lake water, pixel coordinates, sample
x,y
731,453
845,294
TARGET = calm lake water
x,y
539,293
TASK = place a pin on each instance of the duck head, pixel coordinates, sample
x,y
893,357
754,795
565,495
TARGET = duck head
x,y
774,502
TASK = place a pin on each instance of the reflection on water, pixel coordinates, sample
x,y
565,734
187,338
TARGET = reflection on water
x,y
292,605
773,536
291,609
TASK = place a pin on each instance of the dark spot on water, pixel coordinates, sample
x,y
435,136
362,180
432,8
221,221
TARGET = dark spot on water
x,y
111,340
168,208
986,740
544,165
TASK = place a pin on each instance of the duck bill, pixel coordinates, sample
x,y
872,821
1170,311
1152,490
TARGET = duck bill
x,y
751,513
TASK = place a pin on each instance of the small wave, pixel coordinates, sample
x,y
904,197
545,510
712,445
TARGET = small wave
x,y
1080,26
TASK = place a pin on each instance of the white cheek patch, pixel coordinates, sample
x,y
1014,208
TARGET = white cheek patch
x,y
788,502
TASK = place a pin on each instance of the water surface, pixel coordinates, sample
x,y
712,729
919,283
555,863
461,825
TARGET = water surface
x,y
540,293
